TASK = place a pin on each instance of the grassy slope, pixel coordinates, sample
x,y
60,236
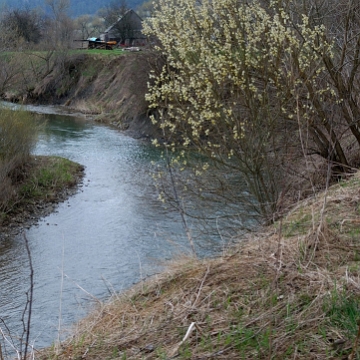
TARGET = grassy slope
x,y
289,292
106,82
49,175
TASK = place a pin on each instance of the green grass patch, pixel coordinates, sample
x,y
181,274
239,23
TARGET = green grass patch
x,y
342,311
90,71
348,183
115,52
50,176
43,180
298,226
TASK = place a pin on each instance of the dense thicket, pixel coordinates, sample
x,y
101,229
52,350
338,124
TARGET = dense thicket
x,y
251,85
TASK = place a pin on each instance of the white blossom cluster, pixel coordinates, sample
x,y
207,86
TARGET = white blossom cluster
x,y
231,64
245,82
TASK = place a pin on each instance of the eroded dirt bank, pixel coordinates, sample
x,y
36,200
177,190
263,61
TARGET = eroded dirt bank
x,y
110,87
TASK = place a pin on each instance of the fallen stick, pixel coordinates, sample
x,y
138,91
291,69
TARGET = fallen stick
x,y
187,335
201,286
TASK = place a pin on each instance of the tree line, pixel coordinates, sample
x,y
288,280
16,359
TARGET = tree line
x,y
39,28
77,8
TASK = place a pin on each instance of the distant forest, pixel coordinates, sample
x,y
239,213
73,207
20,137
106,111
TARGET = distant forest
x,y
78,7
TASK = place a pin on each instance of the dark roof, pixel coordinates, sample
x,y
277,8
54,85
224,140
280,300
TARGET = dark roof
x,y
122,17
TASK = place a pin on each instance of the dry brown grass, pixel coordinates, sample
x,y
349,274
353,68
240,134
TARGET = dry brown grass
x,y
83,106
289,292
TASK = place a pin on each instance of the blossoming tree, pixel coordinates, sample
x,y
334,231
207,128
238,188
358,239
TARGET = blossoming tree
x,y
247,82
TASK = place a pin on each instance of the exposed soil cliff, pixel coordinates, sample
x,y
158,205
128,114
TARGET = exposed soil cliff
x,y
111,87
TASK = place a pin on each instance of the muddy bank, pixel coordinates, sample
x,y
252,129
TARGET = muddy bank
x,y
32,213
110,88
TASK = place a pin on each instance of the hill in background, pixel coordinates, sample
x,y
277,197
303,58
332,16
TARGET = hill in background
x,y
78,7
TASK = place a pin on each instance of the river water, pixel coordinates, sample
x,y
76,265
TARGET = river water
x,y
109,235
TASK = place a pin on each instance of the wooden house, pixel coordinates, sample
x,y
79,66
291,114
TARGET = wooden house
x,y
126,31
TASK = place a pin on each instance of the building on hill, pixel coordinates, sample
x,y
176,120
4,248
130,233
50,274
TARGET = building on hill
x,y
126,31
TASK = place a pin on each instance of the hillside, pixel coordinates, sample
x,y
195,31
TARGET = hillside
x,y
78,7
290,291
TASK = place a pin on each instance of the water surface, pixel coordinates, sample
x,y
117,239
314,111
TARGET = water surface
x,y
111,234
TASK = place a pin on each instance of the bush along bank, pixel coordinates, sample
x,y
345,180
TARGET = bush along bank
x,y
29,185
288,292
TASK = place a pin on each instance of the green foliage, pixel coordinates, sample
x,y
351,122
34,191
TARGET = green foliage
x,y
342,310
56,174
18,135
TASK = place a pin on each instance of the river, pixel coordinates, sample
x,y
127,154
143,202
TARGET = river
x,y
111,234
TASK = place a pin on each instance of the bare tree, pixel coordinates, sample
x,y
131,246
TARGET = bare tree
x,y
62,27
146,9
89,26
328,95
21,27
113,11
59,8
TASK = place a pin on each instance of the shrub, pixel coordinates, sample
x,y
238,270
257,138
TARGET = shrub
x,y
18,136
250,83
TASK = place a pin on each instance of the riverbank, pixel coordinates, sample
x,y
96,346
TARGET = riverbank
x,y
290,291
45,182
109,88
